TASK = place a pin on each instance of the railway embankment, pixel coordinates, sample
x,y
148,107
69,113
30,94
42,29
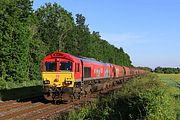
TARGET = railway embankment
x,y
142,98
17,91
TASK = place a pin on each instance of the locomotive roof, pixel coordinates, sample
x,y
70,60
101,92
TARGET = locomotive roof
x,y
93,60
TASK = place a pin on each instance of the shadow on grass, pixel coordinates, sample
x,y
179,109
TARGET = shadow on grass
x,y
128,109
21,93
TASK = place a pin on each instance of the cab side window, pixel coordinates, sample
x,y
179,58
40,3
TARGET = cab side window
x,y
77,67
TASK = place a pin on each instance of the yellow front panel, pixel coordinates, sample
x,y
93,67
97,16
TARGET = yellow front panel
x,y
59,78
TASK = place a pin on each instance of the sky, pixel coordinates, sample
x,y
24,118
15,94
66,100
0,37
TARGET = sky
x,y
148,30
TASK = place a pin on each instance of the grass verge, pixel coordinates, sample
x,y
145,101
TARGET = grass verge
x,y
15,91
141,98
4,85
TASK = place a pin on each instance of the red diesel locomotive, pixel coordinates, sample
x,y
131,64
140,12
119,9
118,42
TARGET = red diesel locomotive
x,y
66,76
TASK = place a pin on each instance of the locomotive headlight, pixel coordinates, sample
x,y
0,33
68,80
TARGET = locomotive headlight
x,y
68,82
46,82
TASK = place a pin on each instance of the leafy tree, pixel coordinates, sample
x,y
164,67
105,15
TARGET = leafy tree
x,y
14,17
54,24
167,70
37,51
82,36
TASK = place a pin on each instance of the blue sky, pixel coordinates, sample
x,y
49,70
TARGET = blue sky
x,y
148,30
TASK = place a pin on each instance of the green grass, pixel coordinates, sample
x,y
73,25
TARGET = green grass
x,y
4,85
173,83
142,98
171,79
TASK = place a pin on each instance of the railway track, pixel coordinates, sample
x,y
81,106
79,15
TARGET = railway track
x,y
28,110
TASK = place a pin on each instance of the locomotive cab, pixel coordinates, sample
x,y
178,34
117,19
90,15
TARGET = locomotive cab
x,y
58,76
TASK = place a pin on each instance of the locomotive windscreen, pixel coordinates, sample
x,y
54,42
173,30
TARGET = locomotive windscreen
x,y
66,66
50,66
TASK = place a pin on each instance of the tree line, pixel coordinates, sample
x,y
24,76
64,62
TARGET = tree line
x,y
27,36
167,70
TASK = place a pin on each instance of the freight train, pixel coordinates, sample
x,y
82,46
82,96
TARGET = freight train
x,y
67,77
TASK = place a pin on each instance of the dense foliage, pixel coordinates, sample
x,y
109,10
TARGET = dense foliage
x,y
27,36
167,70
140,99
14,39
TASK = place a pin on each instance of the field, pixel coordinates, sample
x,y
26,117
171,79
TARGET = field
x,y
173,81
154,97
